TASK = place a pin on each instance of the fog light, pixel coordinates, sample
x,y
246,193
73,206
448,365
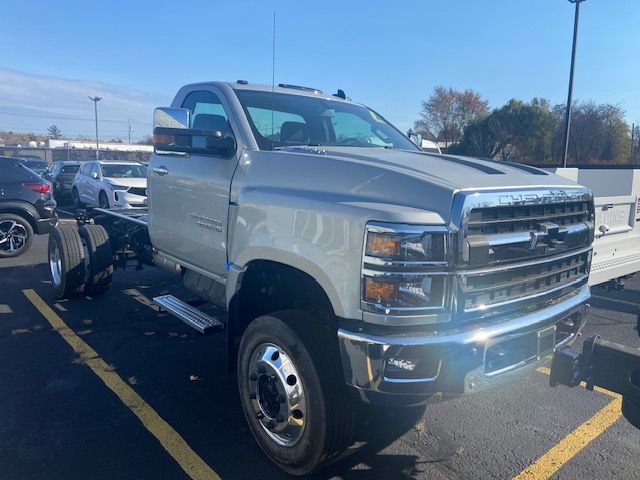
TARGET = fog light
x,y
422,368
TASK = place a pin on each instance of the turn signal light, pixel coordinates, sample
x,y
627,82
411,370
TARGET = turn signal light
x,y
380,245
161,139
377,292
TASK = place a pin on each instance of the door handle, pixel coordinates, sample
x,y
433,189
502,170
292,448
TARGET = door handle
x,y
161,170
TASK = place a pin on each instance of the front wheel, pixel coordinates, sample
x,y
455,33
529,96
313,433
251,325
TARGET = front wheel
x,y
103,201
75,196
16,235
292,391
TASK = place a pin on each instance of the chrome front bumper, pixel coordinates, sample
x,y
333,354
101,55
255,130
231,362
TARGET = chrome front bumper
x,y
407,369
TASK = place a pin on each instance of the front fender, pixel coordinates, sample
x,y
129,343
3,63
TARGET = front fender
x,y
304,230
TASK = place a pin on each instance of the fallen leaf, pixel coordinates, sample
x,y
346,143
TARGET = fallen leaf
x,y
132,380
194,378
20,331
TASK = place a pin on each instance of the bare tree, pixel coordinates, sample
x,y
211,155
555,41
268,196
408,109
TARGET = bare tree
x,y
447,111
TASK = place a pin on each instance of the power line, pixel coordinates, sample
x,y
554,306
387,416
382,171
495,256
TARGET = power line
x,y
75,119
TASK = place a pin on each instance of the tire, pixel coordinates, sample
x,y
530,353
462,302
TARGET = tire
x,y
103,200
75,196
95,241
310,365
66,261
16,235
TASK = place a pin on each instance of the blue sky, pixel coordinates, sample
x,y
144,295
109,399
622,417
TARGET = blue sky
x,y
388,55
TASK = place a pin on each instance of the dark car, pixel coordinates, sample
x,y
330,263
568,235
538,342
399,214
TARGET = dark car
x,y
61,175
36,164
27,206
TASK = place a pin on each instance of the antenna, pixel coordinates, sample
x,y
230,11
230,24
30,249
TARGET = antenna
x,y
273,75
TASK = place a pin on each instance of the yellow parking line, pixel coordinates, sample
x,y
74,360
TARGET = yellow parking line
x,y
171,440
549,463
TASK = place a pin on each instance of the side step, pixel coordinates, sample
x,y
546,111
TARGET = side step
x,y
190,315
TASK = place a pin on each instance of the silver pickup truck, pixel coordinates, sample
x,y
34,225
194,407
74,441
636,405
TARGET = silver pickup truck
x,y
351,265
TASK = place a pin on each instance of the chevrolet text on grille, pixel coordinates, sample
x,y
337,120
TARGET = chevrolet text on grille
x,y
535,199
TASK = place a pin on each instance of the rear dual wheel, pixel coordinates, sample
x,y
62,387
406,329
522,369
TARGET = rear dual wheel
x,y
292,391
80,260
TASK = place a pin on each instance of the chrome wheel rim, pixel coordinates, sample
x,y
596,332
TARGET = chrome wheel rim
x,y
55,264
13,236
277,394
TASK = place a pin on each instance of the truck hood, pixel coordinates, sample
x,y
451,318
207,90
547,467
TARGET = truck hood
x,y
393,185
128,182
457,172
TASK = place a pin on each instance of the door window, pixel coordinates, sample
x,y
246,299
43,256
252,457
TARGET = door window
x,y
207,112
95,168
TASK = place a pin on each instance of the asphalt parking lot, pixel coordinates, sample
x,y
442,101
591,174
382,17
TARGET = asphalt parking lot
x,y
110,387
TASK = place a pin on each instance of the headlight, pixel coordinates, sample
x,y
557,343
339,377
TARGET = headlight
x,y
118,187
404,269
405,244
406,247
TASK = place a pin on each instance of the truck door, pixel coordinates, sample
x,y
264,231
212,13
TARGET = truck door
x,y
189,194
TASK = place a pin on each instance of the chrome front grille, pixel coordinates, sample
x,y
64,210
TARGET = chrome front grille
x,y
487,291
138,191
520,249
507,233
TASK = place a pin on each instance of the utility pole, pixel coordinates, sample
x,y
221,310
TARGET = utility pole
x,y
633,142
567,122
130,128
95,101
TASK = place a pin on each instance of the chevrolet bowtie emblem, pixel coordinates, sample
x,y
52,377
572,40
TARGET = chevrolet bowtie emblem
x,y
547,231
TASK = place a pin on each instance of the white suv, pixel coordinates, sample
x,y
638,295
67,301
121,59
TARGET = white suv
x,y
110,184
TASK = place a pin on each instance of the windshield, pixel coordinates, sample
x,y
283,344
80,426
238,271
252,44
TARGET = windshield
x,y
35,163
70,168
280,120
124,171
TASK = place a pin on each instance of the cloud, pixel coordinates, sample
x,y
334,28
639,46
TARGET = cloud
x,y
31,103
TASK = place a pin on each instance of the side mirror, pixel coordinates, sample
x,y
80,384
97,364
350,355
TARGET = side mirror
x,y
94,175
415,137
172,133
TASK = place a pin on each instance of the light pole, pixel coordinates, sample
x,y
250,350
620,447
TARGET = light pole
x,y
95,101
567,121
